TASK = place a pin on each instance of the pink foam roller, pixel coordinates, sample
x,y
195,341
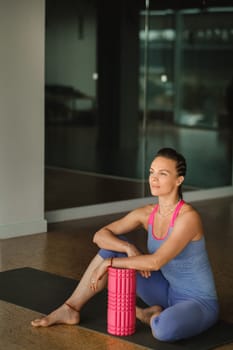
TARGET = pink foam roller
x,y
121,317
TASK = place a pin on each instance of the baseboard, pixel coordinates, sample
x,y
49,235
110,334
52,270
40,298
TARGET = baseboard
x,y
127,205
22,228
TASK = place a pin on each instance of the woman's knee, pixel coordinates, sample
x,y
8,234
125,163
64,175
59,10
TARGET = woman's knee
x,y
180,321
164,332
107,253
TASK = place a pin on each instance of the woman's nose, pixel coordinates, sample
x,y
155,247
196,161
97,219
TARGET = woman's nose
x,y
154,177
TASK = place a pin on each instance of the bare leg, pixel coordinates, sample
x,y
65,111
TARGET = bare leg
x,y
66,314
144,315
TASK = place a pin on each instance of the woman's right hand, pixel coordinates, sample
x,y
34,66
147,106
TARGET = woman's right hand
x,y
131,250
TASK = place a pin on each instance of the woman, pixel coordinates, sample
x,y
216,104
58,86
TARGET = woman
x,y
174,279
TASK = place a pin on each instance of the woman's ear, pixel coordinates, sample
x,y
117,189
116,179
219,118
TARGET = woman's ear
x,y
180,180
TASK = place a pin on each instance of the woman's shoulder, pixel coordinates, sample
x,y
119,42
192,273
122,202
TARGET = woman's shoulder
x,y
143,212
146,209
190,218
188,208
188,212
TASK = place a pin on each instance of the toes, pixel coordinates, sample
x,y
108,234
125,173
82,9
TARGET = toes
x,y
39,322
35,323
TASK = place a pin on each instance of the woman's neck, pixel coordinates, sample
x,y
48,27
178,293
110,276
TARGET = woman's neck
x,y
167,203
167,207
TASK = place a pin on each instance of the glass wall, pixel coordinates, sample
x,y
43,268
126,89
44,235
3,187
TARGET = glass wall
x,y
189,88
119,89
70,91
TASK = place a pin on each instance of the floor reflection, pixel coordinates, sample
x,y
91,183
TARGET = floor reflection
x,y
96,176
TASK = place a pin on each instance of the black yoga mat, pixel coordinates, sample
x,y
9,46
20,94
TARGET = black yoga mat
x,y
43,292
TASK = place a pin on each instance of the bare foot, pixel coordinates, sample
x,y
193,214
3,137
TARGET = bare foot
x,y
144,315
63,315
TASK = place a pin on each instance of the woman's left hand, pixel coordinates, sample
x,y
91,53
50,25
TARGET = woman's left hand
x,y
98,273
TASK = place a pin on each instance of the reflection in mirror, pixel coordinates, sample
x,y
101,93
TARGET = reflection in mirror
x,y
189,89
91,110
118,89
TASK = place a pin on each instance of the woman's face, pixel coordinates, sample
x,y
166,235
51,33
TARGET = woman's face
x,y
163,178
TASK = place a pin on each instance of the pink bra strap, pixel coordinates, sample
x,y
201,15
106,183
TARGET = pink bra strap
x,y
178,207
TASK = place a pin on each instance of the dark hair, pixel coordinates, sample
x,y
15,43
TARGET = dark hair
x,y
170,153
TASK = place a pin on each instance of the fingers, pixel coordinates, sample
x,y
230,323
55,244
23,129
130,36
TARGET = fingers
x,y
145,274
98,274
93,284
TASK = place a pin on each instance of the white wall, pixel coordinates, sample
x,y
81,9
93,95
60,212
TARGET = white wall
x,y
22,34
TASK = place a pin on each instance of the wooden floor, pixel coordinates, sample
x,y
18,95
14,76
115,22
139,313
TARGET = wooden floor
x,y
67,248
66,188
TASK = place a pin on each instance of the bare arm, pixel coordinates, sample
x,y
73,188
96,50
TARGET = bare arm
x,y
188,227
107,238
